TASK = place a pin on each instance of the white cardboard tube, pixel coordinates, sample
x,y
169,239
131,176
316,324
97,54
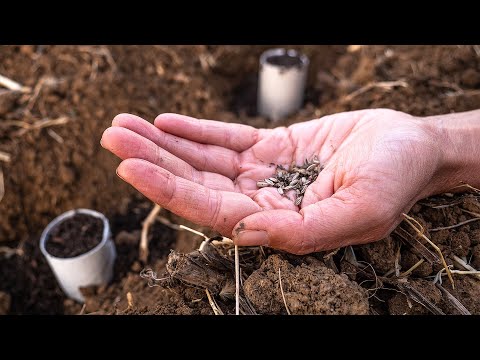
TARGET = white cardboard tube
x,y
281,87
95,267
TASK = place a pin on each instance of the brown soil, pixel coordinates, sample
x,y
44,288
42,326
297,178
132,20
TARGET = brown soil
x,y
310,288
75,236
5,301
61,167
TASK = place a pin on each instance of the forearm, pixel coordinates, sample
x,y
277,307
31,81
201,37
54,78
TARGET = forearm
x,y
457,136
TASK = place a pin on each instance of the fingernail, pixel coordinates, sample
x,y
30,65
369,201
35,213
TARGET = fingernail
x,y
251,238
119,175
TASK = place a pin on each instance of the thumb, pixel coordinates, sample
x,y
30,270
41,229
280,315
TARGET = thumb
x,y
340,220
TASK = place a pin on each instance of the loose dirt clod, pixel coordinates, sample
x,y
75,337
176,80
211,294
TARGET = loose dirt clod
x,y
310,288
5,302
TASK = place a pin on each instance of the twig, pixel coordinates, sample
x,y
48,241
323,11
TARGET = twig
x,y
454,226
46,80
382,84
13,85
417,264
409,220
5,157
143,249
213,304
237,281
102,51
39,124
283,294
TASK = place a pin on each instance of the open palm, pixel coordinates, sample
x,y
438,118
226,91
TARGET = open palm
x,y
206,171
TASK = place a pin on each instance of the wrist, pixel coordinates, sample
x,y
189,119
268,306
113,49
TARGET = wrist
x,y
457,139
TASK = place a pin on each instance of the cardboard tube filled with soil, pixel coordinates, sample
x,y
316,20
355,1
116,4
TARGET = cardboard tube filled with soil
x,y
281,83
79,249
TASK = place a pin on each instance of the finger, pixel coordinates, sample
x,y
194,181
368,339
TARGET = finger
x,y
128,144
220,210
203,157
340,220
321,189
237,137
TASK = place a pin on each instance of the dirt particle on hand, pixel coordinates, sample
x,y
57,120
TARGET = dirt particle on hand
x,y
240,228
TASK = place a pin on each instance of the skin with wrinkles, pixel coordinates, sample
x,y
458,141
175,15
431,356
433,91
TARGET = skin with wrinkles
x,y
378,163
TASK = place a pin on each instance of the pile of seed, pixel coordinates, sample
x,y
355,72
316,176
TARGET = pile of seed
x,y
297,177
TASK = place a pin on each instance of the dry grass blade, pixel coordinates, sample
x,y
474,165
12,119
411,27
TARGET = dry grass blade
x,y
216,309
237,281
55,136
151,277
409,271
130,300
471,213
173,226
281,290
454,226
410,220
469,187
388,85
82,311
418,297
48,81
438,277
143,249
454,301
397,260
2,185
463,264
39,124
192,231
417,245
5,157
8,252
13,85
442,206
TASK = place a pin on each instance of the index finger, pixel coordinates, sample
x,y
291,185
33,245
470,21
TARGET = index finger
x,y
220,210
237,137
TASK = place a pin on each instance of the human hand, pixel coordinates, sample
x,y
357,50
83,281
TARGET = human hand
x,y
378,163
